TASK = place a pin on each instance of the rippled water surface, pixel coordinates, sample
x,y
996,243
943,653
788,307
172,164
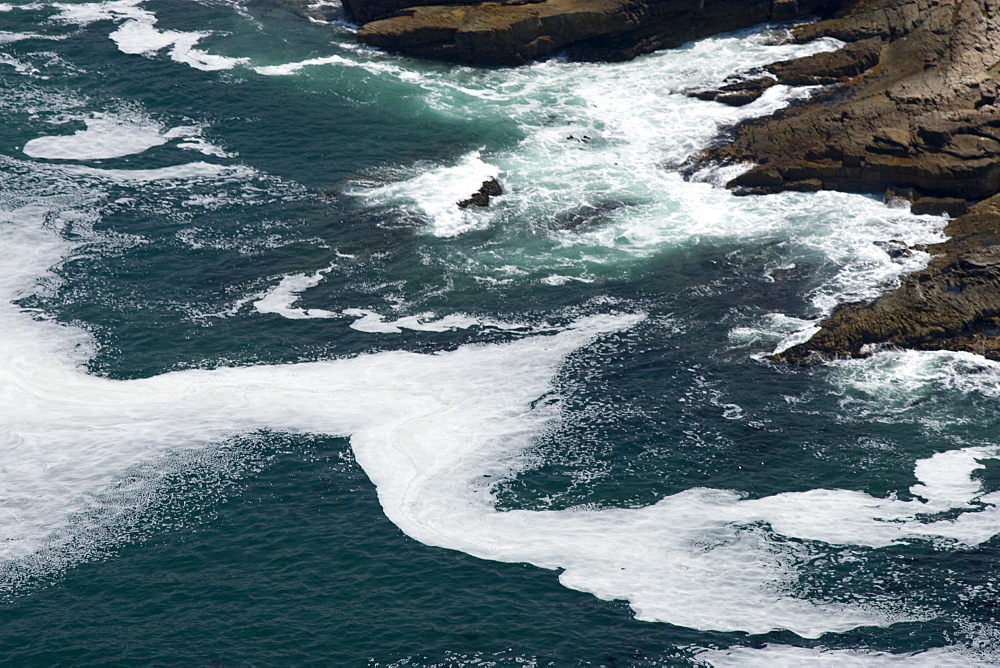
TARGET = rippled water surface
x,y
268,396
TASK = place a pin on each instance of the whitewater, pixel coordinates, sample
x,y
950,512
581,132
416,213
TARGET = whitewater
x,y
134,225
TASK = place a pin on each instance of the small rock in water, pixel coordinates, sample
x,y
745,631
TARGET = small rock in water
x,y
490,188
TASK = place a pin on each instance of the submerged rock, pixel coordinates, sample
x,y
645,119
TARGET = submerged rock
x,y
587,216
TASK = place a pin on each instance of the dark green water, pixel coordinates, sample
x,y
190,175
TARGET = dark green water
x,y
226,187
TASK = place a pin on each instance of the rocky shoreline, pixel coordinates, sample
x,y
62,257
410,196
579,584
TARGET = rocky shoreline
x,y
512,32
953,304
910,107
917,118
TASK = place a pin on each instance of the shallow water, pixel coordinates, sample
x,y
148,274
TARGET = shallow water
x,y
269,396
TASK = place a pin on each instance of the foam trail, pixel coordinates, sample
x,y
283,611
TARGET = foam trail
x,y
281,299
293,68
369,321
191,171
783,655
106,136
426,429
139,35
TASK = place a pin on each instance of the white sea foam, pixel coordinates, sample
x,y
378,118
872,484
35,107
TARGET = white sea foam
x,y
436,193
107,136
783,655
369,321
426,429
293,68
7,37
559,279
19,66
190,171
139,35
281,299
202,145
592,132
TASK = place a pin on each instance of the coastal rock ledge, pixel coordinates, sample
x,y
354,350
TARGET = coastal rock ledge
x,y
513,32
918,119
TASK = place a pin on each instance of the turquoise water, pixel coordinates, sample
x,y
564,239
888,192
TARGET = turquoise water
x,y
267,396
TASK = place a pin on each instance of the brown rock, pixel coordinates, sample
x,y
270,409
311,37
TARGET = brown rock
x,y
952,304
737,92
937,206
829,67
511,33
891,141
759,180
921,116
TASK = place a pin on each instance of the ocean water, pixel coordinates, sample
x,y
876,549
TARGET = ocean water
x,y
269,397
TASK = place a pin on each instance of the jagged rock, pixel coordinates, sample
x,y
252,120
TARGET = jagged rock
x,y
511,33
895,249
759,180
737,91
831,66
819,69
952,304
490,188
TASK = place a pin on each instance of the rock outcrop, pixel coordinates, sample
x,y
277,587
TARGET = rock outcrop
x,y
513,32
490,188
915,108
831,67
953,304
915,114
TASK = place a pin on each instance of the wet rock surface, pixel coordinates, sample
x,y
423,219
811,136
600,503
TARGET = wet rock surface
x,y
953,304
516,31
490,188
912,112
914,105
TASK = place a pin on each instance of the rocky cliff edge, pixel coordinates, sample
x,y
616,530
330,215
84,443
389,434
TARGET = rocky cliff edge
x,y
516,31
